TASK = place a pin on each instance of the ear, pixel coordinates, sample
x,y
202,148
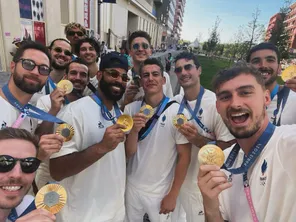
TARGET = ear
x,y
12,67
267,99
199,70
163,80
65,76
99,75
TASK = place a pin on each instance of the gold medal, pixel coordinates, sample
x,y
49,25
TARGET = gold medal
x,y
51,197
66,131
289,73
127,121
211,154
179,120
147,110
66,85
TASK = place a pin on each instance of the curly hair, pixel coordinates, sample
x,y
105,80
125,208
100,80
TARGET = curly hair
x,y
74,25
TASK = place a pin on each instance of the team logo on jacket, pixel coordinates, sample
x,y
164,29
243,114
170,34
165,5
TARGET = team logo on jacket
x,y
100,125
200,112
3,125
263,176
163,121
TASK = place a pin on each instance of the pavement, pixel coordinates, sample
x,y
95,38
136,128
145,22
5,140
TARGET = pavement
x,y
4,76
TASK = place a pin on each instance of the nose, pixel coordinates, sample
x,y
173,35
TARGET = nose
x,y
236,101
35,71
16,172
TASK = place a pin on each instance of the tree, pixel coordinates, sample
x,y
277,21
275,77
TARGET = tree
x,y
214,37
279,34
254,30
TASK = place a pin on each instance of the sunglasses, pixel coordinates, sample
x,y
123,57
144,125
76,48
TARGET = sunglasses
x,y
114,74
28,165
72,33
186,67
29,64
136,46
60,50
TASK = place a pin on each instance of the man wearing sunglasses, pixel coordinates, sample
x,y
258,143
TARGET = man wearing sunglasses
x,y
74,32
158,155
18,164
29,71
93,162
140,50
88,50
77,73
60,51
205,126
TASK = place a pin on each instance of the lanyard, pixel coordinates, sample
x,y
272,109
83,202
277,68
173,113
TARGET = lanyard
x,y
282,99
247,163
105,112
27,110
155,117
53,86
274,91
13,214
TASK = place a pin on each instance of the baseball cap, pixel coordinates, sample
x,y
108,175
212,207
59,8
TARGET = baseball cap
x,y
113,60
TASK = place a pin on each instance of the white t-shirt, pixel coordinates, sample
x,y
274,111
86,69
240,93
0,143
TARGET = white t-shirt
x,y
167,87
9,114
272,180
209,116
151,168
94,81
288,116
96,193
37,95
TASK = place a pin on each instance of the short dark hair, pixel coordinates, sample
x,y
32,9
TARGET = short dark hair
x,y
93,42
238,69
21,134
137,34
59,39
188,56
30,45
151,61
79,61
262,46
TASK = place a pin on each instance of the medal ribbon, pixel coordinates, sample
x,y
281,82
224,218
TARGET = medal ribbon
x,y
282,99
274,91
155,117
13,214
53,86
27,110
105,112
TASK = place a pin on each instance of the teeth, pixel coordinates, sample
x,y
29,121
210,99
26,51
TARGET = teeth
x,y
238,114
264,73
11,188
115,87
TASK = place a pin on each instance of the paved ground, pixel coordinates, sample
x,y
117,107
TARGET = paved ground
x,y
4,76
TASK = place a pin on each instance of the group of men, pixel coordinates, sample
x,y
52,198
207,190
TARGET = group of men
x,y
113,176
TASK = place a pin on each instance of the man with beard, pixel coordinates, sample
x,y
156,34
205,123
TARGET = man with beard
x,y
140,50
77,73
18,163
266,58
60,51
29,71
74,32
206,126
258,176
93,162
158,153
88,50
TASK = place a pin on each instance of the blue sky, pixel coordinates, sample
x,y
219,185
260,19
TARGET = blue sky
x,y
200,16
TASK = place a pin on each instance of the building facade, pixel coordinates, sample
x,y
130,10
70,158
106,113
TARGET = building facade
x,y
290,22
272,25
178,20
45,20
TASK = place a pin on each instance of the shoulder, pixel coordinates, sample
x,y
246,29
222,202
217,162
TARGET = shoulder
x,y
178,98
133,106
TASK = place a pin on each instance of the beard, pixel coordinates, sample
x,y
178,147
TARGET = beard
x,y
29,88
273,75
244,133
106,89
57,66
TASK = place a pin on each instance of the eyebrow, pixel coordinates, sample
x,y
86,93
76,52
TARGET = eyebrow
x,y
267,57
237,89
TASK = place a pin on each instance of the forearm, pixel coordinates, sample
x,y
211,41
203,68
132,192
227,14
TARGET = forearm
x,y
72,164
202,141
213,216
180,172
131,144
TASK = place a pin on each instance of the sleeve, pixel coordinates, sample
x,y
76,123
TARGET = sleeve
x,y
41,104
75,144
168,88
179,137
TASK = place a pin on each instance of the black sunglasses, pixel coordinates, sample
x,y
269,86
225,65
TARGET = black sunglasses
x,y
114,74
60,50
187,67
29,64
72,33
28,165
136,46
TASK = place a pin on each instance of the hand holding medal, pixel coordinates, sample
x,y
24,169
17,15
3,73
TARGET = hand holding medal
x,y
179,120
289,73
66,85
211,154
126,121
51,197
66,131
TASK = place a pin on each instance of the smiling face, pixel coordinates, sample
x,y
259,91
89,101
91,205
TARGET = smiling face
x,y
266,61
15,184
88,53
152,79
78,75
61,54
26,80
140,49
187,72
242,102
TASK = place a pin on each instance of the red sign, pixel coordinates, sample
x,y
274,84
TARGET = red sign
x,y
86,13
39,32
